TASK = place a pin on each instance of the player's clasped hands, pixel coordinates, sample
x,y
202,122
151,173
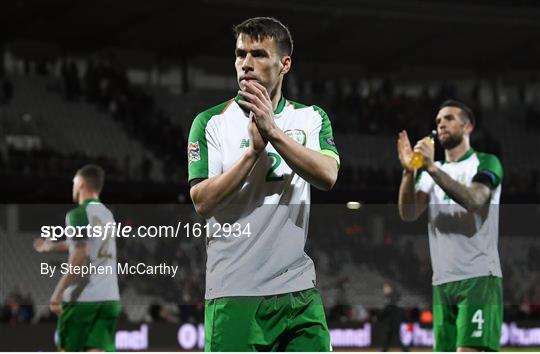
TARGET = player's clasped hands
x,y
256,141
260,104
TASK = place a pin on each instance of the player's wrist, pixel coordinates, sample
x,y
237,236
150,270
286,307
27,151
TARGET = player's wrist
x,y
432,168
56,298
48,246
252,154
408,172
273,133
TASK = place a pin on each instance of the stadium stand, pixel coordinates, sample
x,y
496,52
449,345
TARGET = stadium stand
x,y
61,110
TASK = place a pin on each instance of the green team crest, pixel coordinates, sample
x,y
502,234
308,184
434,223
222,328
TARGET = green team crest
x,y
244,143
297,135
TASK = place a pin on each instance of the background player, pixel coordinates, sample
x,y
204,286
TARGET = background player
x,y
463,194
88,307
251,162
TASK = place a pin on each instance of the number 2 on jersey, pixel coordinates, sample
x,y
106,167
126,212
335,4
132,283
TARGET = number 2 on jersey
x,y
272,176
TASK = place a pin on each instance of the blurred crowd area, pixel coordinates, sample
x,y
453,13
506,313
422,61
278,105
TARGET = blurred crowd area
x,y
357,106
354,274
181,301
382,106
105,87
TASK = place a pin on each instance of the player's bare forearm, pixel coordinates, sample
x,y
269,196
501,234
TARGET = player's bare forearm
x,y
59,246
410,203
78,258
406,199
47,245
56,246
317,169
207,194
470,197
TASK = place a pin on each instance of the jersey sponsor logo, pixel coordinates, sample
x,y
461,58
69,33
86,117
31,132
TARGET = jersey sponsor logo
x,y
194,152
476,334
297,135
244,144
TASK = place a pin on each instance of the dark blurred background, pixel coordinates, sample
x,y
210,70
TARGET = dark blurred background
x,y
119,82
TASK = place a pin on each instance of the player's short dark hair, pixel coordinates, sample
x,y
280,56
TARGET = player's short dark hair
x,y
260,28
94,175
466,112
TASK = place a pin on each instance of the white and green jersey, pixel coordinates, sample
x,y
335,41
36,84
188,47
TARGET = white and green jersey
x,y
273,202
463,245
101,253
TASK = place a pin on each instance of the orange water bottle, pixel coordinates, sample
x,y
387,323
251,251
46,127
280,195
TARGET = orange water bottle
x,y
417,160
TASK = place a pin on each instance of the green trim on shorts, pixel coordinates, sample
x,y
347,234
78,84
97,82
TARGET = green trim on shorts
x,y
86,325
468,313
286,322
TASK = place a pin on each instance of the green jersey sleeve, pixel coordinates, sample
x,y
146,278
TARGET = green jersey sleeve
x,y
77,217
325,135
198,149
204,151
490,167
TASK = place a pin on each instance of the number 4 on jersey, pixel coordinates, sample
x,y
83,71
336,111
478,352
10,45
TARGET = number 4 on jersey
x,y
478,319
